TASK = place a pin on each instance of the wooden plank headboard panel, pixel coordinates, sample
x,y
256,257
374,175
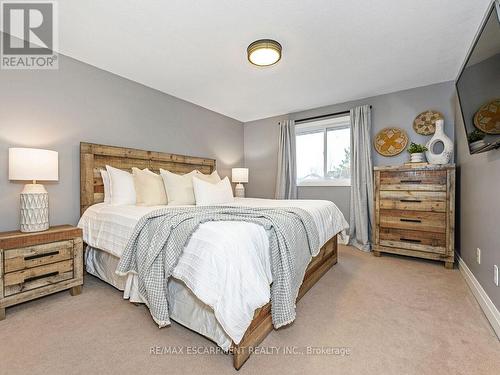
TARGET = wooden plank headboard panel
x,y
94,157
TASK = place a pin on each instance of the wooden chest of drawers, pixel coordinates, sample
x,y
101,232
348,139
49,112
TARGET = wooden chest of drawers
x,y
33,265
415,211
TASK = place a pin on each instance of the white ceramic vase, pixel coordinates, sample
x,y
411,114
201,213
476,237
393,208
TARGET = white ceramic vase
x,y
445,156
417,157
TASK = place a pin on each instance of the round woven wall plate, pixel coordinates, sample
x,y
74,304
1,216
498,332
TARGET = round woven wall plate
x,y
487,119
390,141
425,123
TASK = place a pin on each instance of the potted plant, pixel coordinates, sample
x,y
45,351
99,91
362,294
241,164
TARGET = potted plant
x,y
476,140
416,152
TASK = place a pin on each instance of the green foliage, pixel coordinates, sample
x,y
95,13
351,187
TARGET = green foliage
x,y
343,170
416,148
475,136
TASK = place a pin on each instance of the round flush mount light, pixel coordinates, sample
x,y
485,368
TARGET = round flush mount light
x,y
264,52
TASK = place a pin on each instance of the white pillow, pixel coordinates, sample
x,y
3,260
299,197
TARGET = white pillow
x,y
179,187
207,193
121,186
107,189
149,188
212,178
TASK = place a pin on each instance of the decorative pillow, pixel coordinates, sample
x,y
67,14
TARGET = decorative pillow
x,y
107,188
207,193
212,178
149,188
121,185
179,187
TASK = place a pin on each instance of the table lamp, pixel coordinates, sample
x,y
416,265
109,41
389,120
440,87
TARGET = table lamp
x,y
33,164
240,175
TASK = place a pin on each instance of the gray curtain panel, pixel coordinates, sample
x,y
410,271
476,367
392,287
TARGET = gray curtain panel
x,y
286,178
361,220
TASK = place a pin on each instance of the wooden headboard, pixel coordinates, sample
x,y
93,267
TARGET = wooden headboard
x,y
94,157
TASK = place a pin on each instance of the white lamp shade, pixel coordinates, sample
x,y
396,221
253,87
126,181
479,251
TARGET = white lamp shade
x,y
33,164
240,175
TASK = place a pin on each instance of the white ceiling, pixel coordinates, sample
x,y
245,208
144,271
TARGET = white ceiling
x,y
333,50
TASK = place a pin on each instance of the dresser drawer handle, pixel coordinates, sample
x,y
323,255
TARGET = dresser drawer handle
x,y
411,200
30,257
409,240
41,276
411,220
411,181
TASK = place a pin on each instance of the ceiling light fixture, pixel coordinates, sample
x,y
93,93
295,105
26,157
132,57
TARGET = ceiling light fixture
x,y
264,52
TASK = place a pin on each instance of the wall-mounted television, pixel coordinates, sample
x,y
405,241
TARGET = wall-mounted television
x,y
478,86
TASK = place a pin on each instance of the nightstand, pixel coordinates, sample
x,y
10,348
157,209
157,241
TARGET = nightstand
x,y
33,265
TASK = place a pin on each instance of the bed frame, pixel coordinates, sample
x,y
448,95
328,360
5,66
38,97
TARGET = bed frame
x,y
94,157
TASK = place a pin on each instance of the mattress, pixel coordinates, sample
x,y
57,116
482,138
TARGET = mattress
x,y
109,227
226,265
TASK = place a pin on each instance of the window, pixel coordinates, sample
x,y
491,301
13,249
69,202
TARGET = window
x,y
324,152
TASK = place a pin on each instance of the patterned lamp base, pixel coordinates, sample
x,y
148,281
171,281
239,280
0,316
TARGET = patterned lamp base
x,y
239,191
34,208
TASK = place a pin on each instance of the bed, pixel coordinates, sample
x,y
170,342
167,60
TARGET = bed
x,y
242,316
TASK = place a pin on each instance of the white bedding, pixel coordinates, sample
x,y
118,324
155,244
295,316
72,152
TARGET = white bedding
x,y
225,264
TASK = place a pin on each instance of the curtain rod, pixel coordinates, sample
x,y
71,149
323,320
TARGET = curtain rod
x,y
323,116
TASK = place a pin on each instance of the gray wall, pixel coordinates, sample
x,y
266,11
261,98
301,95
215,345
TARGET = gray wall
x,y
58,109
478,210
261,156
394,109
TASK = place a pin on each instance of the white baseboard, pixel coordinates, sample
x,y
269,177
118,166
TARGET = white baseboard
x,y
489,309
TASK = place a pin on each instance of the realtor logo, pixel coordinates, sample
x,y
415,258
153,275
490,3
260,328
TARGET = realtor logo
x,y
29,35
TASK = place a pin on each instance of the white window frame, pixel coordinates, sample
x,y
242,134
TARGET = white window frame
x,y
337,122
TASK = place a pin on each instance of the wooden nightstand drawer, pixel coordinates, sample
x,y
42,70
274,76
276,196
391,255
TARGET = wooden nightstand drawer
x,y
39,255
36,277
413,180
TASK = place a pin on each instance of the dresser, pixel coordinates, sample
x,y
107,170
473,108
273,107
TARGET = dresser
x,y
415,211
33,265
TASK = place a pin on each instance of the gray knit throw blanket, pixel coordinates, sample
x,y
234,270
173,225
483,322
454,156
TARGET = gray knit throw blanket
x,y
160,237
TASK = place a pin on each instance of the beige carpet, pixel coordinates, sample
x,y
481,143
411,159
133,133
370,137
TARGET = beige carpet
x,y
396,315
